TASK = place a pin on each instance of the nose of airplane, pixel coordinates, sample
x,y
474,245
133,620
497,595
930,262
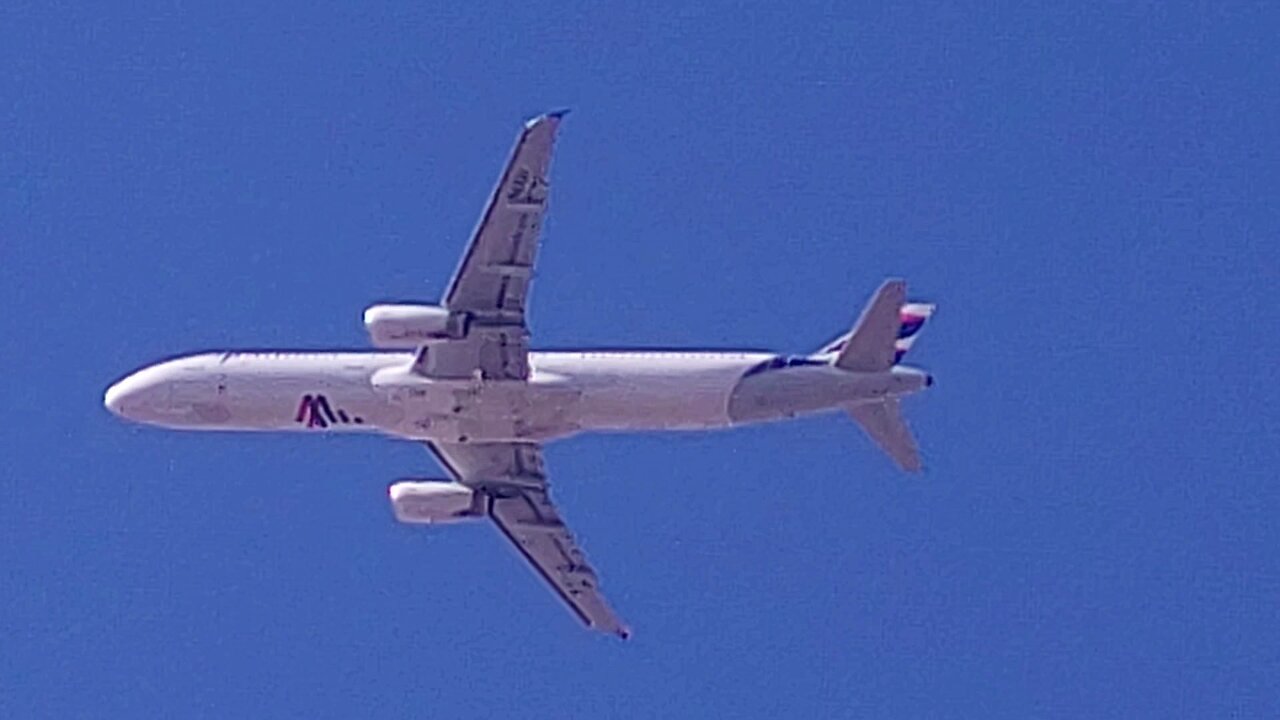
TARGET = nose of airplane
x,y
115,397
126,397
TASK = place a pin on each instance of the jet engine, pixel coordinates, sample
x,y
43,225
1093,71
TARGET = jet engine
x,y
428,502
406,327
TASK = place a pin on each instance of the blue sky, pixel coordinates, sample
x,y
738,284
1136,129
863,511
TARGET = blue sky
x,y
1088,191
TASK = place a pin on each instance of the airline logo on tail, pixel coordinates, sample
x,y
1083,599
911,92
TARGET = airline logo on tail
x,y
913,316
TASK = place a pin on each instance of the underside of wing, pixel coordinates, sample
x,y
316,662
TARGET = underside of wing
x,y
491,284
517,499
529,520
494,274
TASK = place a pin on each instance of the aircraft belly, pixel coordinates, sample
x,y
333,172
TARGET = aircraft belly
x,y
785,394
677,401
491,411
772,396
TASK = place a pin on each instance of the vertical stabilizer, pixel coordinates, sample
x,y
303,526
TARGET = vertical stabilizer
x,y
870,347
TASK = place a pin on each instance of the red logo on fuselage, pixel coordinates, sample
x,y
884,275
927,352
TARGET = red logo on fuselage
x,y
315,411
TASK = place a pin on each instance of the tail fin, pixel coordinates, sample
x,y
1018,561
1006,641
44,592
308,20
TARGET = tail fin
x,y
870,345
866,347
883,422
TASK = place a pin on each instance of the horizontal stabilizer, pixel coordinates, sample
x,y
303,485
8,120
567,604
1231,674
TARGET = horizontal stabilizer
x,y
883,422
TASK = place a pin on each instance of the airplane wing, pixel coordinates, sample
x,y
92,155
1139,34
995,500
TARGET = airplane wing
x,y
491,284
518,501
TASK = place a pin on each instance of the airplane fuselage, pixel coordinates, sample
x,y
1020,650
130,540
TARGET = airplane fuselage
x,y
460,377
567,392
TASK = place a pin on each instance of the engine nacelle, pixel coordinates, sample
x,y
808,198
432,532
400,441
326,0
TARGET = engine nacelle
x,y
432,502
403,327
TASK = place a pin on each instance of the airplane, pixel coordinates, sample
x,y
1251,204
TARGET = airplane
x,y
460,378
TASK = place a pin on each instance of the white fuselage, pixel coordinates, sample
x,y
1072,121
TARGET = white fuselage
x,y
567,392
